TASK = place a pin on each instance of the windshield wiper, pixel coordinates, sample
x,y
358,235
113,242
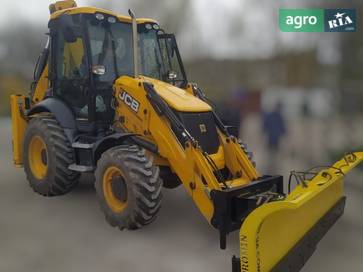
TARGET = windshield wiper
x,y
158,64
114,52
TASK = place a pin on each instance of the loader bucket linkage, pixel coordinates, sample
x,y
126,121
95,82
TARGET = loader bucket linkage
x,y
282,235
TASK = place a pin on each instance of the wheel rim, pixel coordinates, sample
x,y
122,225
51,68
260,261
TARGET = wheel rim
x,y
115,189
38,158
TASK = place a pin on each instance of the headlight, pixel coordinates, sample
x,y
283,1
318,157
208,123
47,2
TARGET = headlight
x,y
111,20
100,16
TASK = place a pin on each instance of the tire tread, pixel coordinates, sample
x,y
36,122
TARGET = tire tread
x,y
64,179
146,187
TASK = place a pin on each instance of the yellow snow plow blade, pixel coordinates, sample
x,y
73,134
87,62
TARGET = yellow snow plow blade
x,y
282,235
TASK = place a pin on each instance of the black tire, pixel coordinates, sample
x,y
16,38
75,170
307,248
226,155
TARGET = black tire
x,y
248,153
170,179
138,177
58,179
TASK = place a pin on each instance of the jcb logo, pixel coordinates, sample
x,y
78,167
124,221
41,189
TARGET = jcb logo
x,y
130,101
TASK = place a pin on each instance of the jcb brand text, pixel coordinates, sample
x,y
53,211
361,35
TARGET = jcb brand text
x,y
130,101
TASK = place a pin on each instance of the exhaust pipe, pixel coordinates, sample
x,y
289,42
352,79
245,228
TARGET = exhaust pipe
x,y
135,42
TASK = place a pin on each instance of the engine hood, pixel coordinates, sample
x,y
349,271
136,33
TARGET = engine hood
x,y
178,98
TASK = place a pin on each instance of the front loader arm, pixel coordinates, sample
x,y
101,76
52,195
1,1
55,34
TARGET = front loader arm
x,y
197,170
194,167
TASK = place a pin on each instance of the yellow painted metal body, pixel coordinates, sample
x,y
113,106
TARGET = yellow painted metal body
x,y
189,164
273,229
61,5
19,123
177,98
93,10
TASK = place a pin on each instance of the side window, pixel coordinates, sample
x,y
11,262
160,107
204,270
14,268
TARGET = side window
x,y
71,74
151,61
169,52
70,59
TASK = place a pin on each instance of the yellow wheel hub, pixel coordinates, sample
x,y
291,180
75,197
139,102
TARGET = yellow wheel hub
x,y
114,189
38,157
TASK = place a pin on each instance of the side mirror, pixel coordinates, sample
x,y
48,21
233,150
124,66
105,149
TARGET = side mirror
x,y
172,75
98,70
68,28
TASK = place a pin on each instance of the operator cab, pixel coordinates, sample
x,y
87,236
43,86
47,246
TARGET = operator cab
x,y
89,51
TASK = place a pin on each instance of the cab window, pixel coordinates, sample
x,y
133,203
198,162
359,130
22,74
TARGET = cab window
x,y
71,74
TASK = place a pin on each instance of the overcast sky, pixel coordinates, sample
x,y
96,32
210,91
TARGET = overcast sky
x,y
35,10
224,29
38,9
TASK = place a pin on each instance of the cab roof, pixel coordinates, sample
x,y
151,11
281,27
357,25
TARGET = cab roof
x,y
93,10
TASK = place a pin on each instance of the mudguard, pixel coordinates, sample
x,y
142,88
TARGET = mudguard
x,y
282,235
59,109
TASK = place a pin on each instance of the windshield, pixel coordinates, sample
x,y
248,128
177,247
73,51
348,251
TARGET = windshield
x,y
159,55
111,47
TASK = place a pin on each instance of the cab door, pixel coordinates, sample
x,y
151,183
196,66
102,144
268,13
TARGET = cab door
x,y
70,73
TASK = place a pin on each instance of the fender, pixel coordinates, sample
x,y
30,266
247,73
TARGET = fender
x,y
118,139
61,112
108,142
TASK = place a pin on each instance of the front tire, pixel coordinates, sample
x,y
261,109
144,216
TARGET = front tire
x,y
128,187
47,156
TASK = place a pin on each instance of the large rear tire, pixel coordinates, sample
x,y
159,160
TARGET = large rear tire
x,y
128,187
47,156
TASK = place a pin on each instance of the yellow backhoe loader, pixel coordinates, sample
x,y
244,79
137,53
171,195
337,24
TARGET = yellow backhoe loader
x,y
111,97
